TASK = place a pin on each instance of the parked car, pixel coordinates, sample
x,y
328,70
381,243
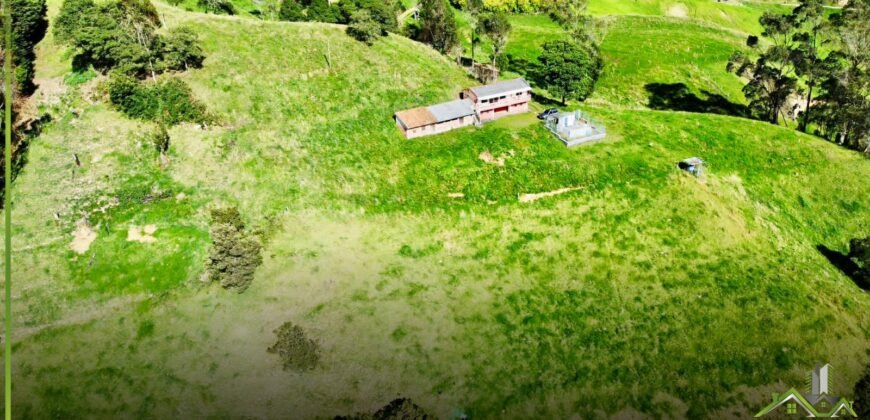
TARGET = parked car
x,y
548,113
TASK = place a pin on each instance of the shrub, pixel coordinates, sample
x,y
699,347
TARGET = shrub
x,y
291,11
234,255
859,252
217,6
180,50
568,70
400,408
160,139
168,101
296,351
363,27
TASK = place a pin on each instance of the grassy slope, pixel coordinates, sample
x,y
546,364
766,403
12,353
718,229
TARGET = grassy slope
x,y
644,276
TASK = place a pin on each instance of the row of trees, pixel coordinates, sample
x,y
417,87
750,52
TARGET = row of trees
x,y
825,60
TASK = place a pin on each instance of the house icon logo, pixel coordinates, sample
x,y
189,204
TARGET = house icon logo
x,y
815,403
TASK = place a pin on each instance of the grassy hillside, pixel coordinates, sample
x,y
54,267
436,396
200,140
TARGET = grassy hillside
x,y
643,290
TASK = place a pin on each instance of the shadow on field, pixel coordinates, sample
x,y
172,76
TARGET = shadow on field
x,y
677,97
845,264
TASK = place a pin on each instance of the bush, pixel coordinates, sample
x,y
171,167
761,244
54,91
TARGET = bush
x,y
398,409
296,351
291,11
234,255
168,101
217,6
160,139
859,252
180,50
568,69
363,27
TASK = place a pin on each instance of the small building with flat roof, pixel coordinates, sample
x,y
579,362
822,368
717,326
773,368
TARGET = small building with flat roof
x,y
435,119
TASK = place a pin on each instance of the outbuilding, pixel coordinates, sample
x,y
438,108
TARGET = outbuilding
x,y
435,119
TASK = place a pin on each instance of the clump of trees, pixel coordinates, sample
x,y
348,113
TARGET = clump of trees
x,y
363,27
168,101
29,25
217,7
824,60
294,348
235,253
367,20
568,70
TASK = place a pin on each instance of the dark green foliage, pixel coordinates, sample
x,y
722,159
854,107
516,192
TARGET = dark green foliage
x,y
160,139
168,101
859,252
291,11
862,394
235,254
323,11
363,27
122,35
294,348
437,25
398,409
217,6
568,70
180,50
28,28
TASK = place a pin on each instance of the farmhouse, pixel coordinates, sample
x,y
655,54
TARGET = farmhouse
x,y
475,105
435,119
500,99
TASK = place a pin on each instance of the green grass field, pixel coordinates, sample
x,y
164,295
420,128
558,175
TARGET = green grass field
x,y
644,291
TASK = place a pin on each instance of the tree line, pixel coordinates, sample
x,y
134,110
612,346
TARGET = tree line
x,y
823,59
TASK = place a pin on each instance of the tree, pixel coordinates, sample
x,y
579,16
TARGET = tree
x,y
363,27
474,9
29,25
180,50
568,70
217,6
859,252
845,103
234,255
291,11
438,27
770,75
322,11
809,16
497,27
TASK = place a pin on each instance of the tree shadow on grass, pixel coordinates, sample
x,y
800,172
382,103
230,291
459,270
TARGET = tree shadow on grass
x,y
677,97
845,265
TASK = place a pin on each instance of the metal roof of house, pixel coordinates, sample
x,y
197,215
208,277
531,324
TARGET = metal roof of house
x,y
451,110
501,88
419,117
416,117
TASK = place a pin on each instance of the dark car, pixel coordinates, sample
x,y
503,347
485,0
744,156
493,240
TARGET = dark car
x,y
548,113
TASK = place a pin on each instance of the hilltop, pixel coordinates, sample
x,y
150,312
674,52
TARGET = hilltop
x,y
643,290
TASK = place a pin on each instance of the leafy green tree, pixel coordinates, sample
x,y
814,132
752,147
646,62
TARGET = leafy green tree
x,y
180,50
771,79
438,26
29,25
809,17
497,27
323,11
568,70
291,11
363,27
845,103
474,9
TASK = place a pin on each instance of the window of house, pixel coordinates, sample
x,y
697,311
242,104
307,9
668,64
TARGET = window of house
x,y
791,408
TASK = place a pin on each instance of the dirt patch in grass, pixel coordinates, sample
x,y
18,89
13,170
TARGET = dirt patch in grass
x,y
528,198
488,157
678,10
83,237
296,350
455,195
143,235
